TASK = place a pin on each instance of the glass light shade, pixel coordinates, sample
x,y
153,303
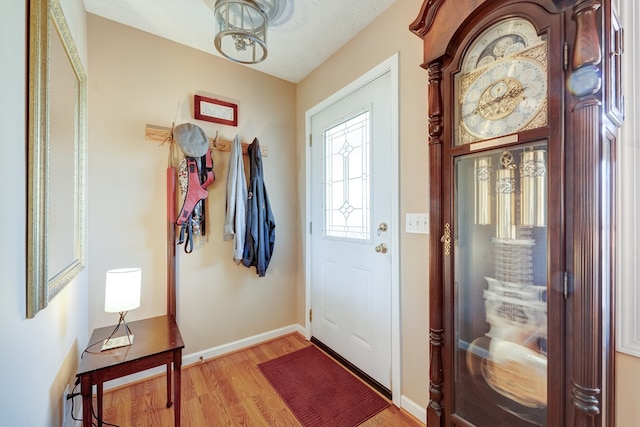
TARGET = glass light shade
x,y
242,30
122,290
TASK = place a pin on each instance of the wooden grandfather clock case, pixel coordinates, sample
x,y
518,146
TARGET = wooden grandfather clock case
x,y
524,105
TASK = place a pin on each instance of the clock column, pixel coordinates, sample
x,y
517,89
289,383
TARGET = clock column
x,y
436,329
591,203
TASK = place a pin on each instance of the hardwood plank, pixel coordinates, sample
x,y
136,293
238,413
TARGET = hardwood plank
x,y
197,383
228,390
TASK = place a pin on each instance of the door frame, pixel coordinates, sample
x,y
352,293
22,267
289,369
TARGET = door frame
x,y
390,65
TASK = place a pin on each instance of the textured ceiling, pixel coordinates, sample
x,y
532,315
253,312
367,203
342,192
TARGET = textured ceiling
x,y
307,33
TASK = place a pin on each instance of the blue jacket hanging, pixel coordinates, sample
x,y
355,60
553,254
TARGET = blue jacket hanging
x,y
261,233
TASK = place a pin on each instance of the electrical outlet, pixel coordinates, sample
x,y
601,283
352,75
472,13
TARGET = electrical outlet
x,y
66,405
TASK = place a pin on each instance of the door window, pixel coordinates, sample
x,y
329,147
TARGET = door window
x,y
347,186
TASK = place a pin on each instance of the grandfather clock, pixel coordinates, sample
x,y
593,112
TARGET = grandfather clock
x,y
524,105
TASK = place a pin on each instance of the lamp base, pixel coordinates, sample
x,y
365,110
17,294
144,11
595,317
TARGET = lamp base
x,y
116,342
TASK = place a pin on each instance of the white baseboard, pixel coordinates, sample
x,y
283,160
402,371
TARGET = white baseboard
x,y
208,354
414,409
240,344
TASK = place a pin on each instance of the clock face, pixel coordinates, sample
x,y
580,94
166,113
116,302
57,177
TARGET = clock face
x,y
502,86
504,98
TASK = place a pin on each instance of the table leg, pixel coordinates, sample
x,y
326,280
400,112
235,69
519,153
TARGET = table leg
x,y
177,364
169,395
99,397
85,390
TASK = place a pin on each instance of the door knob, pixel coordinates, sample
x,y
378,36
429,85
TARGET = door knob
x,y
382,248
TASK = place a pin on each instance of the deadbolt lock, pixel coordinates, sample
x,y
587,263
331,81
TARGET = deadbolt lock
x,y
382,228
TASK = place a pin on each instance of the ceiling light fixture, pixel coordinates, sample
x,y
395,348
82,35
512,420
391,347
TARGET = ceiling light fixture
x,y
242,28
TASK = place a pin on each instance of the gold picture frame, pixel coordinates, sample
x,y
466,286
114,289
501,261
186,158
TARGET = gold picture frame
x,y
57,120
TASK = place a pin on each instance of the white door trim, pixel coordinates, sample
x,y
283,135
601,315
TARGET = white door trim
x,y
390,65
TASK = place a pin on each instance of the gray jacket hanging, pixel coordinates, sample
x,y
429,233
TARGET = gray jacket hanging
x,y
235,220
261,233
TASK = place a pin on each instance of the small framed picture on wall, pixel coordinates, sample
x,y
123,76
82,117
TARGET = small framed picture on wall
x,y
215,110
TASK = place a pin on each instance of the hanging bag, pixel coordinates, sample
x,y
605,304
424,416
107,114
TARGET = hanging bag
x,y
195,174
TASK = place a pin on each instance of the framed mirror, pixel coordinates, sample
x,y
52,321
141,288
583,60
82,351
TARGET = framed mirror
x,y
56,156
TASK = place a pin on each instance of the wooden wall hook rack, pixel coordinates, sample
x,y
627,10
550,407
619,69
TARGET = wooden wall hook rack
x,y
161,133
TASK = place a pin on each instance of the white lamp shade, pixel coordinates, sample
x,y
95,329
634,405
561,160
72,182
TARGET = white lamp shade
x,y
122,290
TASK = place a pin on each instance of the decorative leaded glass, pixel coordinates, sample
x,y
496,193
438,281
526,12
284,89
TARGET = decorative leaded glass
x,y
347,186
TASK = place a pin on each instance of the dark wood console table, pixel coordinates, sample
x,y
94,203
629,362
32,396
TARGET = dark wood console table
x,y
157,341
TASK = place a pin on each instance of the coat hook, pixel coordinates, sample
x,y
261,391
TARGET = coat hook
x,y
168,138
215,140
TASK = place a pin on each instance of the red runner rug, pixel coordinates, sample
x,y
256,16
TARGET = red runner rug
x,y
319,391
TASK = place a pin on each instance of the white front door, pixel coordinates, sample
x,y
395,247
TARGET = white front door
x,y
351,216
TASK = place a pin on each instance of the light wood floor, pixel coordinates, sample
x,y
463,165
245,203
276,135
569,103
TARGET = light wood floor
x,y
225,391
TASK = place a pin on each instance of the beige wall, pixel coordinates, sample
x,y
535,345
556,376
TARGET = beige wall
x,y
385,36
627,388
137,78
38,356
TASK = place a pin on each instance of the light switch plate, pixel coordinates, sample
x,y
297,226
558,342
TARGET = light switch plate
x,y
417,223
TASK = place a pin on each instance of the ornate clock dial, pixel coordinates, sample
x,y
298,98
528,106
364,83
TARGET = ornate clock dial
x,y
502,40
504,98
502,84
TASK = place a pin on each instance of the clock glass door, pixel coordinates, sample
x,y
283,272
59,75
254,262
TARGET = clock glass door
x,y
500,285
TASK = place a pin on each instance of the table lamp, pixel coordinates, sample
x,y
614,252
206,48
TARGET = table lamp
x,y
122,293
